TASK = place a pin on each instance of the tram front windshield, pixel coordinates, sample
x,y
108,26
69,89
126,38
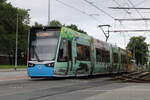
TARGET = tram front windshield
x,y
43,45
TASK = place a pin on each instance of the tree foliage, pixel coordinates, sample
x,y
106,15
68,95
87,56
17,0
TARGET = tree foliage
x,y
74,27
2,1
8,18
55,23
36,24
8,23
139,49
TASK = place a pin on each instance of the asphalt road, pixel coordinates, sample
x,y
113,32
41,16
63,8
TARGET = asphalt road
x,y
72,89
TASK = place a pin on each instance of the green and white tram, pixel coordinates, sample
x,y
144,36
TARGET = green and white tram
x,y
62,52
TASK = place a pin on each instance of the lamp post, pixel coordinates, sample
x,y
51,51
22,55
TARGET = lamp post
x,y
48,12
16,51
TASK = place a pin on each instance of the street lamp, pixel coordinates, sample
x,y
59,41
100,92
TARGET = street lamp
x,y
48,12
16,52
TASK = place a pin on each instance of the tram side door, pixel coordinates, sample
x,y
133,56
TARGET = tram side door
x,y
62,58
73,60
69,57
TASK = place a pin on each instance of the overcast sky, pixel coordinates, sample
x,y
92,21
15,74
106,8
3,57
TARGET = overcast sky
x,y
67,15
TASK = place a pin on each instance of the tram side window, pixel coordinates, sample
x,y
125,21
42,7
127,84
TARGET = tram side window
x,y
115,58
102,55
98,55
69,50
126,59
123,59
62,55
107,56
83,52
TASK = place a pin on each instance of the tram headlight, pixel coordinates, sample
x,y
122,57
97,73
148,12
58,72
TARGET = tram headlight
x,y
50,65
31,65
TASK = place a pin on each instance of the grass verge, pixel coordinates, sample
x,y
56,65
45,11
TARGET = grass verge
x,y
12,66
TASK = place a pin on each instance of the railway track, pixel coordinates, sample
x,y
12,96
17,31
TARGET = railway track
x,y
134,77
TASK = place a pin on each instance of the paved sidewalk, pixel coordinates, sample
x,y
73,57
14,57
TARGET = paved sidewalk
x,y
12,70
11,74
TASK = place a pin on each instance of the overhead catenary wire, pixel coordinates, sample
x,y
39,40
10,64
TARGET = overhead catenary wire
x,y
140,2
109,15
126,12
135,9
138,13
92,4
128,8
85,13
78,10
138,30
101,10
130,14
133,19
121,22
124,37
123,9
146,27
120,5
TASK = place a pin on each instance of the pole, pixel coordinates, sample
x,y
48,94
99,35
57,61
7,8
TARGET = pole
x,y
16,53
28,46
48,12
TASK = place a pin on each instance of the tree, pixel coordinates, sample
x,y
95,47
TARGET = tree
x,y
74,27
36,24
8,20
2,1
55,23
139,49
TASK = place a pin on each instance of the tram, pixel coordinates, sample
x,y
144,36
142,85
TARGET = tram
x,y
63,52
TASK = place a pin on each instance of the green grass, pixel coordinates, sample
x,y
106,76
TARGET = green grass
x,y
12,66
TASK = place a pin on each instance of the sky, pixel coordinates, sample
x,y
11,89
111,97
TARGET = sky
x,y
88,17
